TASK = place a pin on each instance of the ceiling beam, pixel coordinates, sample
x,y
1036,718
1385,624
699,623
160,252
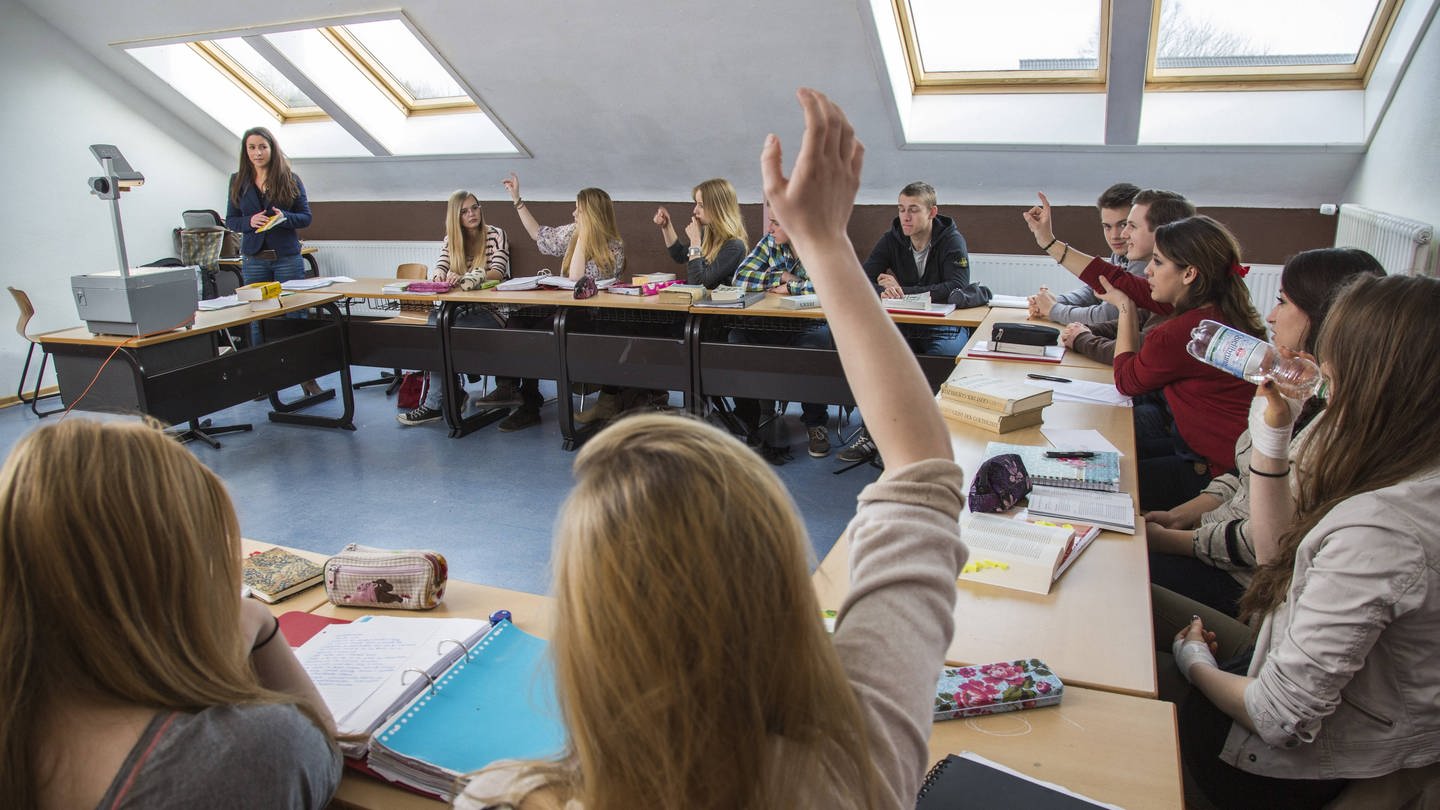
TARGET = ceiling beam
x,y
1125,91
321,99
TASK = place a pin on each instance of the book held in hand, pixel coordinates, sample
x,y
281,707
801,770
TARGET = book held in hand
x,y
276,573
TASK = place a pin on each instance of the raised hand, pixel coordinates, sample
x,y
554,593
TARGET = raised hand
x,y
815,201
662,217
512,185
1037,219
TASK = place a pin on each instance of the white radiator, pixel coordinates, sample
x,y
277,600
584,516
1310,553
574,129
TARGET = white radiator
x,y
1402,246
358,258
1010,274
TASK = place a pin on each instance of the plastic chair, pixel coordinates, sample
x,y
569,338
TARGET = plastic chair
x,y
27,311
392,379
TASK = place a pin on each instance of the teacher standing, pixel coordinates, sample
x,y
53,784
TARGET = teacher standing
x,y
265,188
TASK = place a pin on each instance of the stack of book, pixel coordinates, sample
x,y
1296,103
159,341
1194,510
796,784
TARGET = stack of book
x,y
992,403
683,294
275,574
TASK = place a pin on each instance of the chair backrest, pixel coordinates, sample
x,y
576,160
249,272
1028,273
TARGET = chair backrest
x,y
411,270
27,311
201,218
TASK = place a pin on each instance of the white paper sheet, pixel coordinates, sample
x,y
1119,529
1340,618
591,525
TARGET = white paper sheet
x,y
1078,439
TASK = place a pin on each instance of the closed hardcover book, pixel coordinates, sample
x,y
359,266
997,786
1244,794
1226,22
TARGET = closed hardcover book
x,y
993,393
989,420
1004,686
683,294
275,574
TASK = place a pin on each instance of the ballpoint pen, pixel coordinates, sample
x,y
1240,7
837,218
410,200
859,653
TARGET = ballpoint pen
x,y
1045,377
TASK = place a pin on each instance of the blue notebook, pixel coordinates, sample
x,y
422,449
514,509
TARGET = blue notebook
x,y
497,703
1099,472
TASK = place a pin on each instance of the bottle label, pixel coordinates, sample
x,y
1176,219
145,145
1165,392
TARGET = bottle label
x,y
1230,350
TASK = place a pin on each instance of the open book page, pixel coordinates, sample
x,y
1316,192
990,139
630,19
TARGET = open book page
x,y
1012,553
359,668
1108,510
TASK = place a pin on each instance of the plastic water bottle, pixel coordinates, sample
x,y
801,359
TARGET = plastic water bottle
x,y
1251,358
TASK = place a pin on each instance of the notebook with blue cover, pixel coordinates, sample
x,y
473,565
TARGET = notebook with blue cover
x,y
1100,471
497,703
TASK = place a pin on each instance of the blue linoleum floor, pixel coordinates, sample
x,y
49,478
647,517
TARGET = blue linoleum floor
x,y
488,501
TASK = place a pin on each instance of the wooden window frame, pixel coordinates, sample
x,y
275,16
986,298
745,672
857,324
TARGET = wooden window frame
x,y
375,70
1279,77
242,78
923,82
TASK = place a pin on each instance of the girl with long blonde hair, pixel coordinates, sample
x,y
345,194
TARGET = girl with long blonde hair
x,y
1345,675
590,246
134,674
692,665
716,234
473,252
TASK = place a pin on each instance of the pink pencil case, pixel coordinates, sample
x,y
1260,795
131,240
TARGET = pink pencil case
x,y
1004,686
361,576
428,287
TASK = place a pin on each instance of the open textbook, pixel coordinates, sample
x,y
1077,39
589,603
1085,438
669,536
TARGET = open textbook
x,y
1020,554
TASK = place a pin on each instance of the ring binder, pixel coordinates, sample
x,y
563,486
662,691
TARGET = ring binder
x,y
469,653
427,676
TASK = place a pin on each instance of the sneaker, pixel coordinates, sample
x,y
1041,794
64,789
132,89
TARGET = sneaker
x,y
819,442
520,419
862,449
504,396
418,416
607,406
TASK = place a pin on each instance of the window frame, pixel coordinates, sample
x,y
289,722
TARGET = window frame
x,y
374,70
1354,76
923,82
235,72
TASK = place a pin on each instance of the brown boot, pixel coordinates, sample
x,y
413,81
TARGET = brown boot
x,y
607,406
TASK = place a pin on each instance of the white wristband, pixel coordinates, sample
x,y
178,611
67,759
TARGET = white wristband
x,y
1188,654
1271,442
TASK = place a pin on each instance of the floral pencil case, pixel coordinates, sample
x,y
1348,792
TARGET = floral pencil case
x,y
1005,686
409,579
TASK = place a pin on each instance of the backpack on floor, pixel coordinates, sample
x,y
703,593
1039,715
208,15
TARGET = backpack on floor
x,y
412,390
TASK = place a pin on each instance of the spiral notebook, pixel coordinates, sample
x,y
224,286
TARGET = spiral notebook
x,y
498,702
972,781
1099,471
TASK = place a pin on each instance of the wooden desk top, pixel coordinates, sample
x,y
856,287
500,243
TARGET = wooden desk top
x,y
1112,748
1071,360
1081,744
1094,625
212,321
769,307
304,601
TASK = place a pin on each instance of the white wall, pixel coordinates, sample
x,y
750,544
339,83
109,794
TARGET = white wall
x,y
1401,172
57,101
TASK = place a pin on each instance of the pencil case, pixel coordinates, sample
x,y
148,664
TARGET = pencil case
x,y
1024,334
409,579
1004,686
429,287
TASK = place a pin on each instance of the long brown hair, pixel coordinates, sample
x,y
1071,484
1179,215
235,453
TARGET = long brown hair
x,y
597,214
1210,248
1378,345
723,209
281,188
465,251
119,579
1312,278
692,665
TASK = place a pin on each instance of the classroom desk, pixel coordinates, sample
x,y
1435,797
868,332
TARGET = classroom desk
x,y
307,253
1082,744
181,375
1094,625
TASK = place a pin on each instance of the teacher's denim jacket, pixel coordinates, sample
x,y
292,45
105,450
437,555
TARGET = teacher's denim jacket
x,y
282,238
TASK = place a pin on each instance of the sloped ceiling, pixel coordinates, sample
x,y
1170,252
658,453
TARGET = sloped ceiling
x,y
645,99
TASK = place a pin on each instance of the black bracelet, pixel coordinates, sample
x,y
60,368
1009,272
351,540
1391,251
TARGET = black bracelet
x,y
1063,254
1052,244
1285,474
273,630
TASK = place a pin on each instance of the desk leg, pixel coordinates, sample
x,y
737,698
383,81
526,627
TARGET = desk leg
x,y
571,436
284,412
460,425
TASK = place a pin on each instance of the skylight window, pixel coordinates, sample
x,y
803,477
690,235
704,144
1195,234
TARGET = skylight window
x,y
341,89
1279,41
953,45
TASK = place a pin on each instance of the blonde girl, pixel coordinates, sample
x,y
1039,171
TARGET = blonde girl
x,y
716,235
134,674
692,664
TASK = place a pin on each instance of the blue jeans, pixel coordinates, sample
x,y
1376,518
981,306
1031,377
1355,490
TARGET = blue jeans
x,y
941,340
473,316
285,268
812,414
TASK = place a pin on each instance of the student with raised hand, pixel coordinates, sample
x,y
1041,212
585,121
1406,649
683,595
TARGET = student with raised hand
x,y
472,253
1081,305
1194,274
134,673
716,234
588,246
750,704
1202,549
1345,676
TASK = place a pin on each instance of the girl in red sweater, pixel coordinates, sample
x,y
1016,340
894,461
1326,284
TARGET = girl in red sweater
x,y
1195,274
